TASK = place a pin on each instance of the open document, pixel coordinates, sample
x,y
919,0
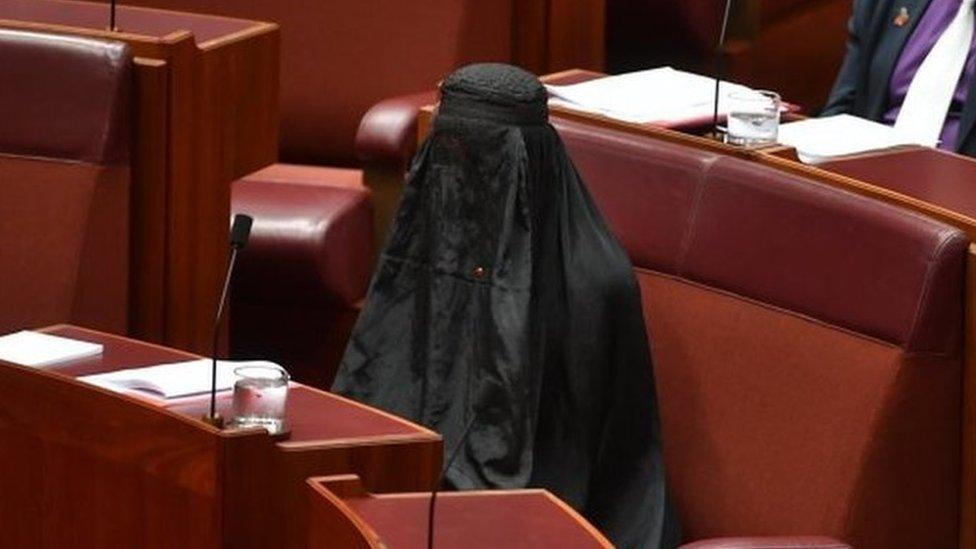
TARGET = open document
x,y
663,96
819,140
175,380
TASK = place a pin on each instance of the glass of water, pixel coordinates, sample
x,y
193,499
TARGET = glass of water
x,y
260,395
753,118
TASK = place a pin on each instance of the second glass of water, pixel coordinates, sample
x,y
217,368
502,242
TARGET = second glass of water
x,y
753,118
260,396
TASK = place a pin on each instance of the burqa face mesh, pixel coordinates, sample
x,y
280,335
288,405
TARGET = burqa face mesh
x,y
501,296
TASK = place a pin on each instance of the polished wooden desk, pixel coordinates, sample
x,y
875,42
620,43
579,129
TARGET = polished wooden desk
x,y
84,467
934,183
346,515
206,113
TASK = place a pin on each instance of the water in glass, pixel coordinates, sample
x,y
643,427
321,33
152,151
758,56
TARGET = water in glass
x,y
260,396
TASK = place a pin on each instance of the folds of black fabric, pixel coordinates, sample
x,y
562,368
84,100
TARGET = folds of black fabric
x,y
502,293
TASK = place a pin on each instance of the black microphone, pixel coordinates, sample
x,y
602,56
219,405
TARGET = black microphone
x,y
239,233
718,63
111,17
447,466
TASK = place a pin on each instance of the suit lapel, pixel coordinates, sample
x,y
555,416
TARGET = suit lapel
x,y
894,34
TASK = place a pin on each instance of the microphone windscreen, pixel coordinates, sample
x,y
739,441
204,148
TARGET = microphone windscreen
x,y
241,230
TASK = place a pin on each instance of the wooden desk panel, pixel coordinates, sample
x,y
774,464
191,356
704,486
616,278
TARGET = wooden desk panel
x,y
111,462
206,113
345,511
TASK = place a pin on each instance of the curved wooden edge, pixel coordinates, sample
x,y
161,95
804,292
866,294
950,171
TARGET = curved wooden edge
x,y
321,490
582,522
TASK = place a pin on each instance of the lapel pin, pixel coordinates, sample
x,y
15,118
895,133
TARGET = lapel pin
x,y
902,18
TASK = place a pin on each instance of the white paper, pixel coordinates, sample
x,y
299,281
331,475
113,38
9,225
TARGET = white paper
x,y
174,380
37,349
819,140
656,96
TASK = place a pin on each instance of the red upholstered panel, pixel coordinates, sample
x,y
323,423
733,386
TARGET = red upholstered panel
x,y
306,267
777,238
64,97
646,188
338,57
774,424
331,258
841,258
63,244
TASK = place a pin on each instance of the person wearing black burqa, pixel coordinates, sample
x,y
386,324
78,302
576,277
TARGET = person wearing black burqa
x,y
502,296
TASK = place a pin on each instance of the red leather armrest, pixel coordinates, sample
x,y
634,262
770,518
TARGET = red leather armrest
x,y
312,236
388,131
780,542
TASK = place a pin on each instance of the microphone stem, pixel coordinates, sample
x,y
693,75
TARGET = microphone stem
x,y
718,62
440,480
216,332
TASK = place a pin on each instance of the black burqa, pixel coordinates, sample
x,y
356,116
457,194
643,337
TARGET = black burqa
x,y
502,293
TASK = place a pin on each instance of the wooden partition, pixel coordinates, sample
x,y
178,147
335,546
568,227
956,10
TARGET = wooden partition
x,y
347,515
552,36
206,113
83,467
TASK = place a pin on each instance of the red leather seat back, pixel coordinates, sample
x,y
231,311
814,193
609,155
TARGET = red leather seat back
x,y
64,184
646,188
806,340
338,58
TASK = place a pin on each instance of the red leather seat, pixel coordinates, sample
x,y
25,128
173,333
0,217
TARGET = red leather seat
x,y
305,268
807,346
64,181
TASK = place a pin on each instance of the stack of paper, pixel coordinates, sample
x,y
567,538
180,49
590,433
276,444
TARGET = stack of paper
x,y
664,96
37,349
178,379
819,140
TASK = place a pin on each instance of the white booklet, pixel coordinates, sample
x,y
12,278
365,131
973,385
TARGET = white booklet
x,y
662,96
175,380
37,349
819,140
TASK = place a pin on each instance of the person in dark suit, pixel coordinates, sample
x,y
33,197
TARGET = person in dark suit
x,y
910,64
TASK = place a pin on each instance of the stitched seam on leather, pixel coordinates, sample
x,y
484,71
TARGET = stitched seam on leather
x,y
692,222
927,285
